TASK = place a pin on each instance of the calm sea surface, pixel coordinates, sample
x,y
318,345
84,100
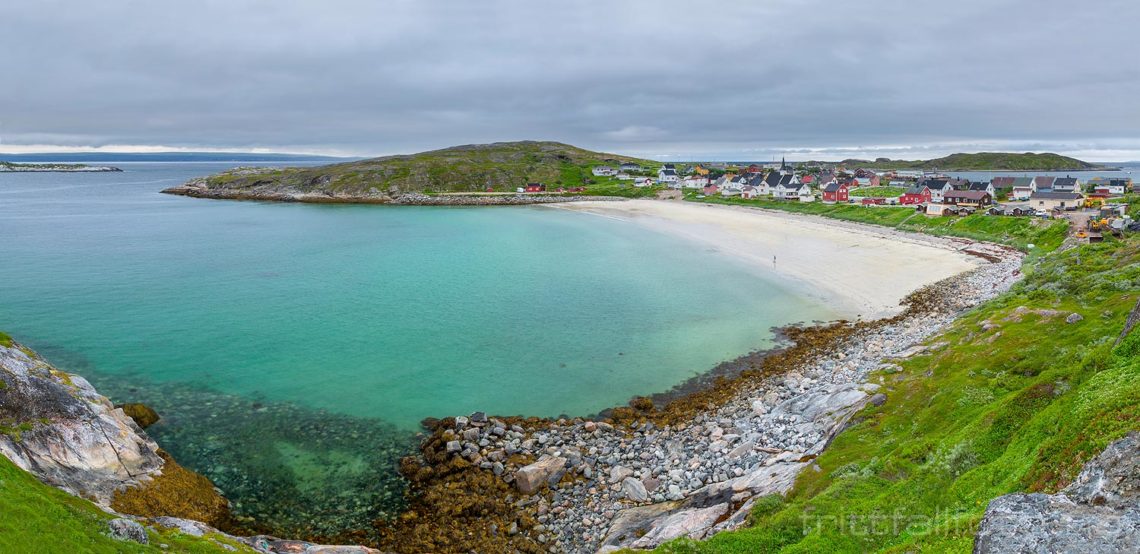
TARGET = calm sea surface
x,y
292,349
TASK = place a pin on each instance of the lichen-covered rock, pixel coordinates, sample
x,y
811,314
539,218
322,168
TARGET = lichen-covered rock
x,y
65,433
124,529
1098,512
144,415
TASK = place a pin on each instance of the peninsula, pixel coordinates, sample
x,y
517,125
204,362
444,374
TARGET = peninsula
x,y
983,161
9,167
495,172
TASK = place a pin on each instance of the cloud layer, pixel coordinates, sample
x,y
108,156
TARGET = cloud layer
x,y
750,80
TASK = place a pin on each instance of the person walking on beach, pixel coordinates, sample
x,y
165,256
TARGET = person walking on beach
x,y
773,261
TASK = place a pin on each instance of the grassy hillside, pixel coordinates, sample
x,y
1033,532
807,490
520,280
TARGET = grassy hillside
x,y
1010,398
38,518
501,166
982,161
1018,232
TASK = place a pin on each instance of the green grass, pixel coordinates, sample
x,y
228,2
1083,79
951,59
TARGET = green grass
x,y
878,192
41,519
5,340
1020,407
1018,232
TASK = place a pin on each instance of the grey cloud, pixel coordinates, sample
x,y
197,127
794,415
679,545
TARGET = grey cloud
x,y
665,78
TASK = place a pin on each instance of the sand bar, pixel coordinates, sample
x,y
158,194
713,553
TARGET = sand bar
x,y
863,271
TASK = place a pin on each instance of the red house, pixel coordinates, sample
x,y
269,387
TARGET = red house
x,y
836,192
874,201
710,189
754,169
918,194
535,187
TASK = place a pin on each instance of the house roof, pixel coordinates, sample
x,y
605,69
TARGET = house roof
x,y
1022,182
1002,182
967,194
1056,196
979,186
833,186
1044,181
772,179
669,172
917,189
1065,182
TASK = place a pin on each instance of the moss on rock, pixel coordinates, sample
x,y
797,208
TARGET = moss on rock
x,y
177,492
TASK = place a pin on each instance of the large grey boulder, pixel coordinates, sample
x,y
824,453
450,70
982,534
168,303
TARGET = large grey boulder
x,y
1099,512
67,434
124,529
546,471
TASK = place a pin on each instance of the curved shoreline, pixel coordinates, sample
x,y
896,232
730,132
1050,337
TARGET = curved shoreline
x,y
196,190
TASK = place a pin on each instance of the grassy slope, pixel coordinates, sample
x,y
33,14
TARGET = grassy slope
x,y
878,192
1018,232
983,161
501,166
39,518
1015,408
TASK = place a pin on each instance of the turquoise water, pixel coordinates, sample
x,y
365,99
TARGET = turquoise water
x,y
238,319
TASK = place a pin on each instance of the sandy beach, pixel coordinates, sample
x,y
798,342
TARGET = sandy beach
x,y
862,271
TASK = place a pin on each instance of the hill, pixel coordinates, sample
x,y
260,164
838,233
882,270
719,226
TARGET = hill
x,y
982,161
501,167
108,157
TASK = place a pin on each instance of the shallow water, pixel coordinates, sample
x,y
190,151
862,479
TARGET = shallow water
x,y
282,340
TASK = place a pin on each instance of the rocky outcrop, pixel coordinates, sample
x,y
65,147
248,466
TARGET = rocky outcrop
x,y
57,427
1099,512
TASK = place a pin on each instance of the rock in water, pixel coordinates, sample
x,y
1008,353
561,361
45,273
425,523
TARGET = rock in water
x,y
531,478
144,415
1099,512
124,529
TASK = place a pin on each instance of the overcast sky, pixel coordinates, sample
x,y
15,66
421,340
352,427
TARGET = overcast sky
x,y
665,79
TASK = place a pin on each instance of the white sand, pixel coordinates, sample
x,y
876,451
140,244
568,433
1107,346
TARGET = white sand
x,y
862,271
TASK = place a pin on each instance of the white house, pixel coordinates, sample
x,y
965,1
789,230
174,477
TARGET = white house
x,y
805,193
1023,188
630,166
749,192
791,191
667,174
604,171
624,177
695,181
643,182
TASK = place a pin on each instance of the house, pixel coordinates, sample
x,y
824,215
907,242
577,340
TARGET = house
x,y
698,170
643,182
805,193
1022,188
1049,201
1111,186
731,192
756,180
694,181
630,166
748,192
938,188
968,198
1066,184
791,191
623,177
754,168
868,180
711,189
604,171
986,187
535,187
1002,184
918,194
873,201
1044,183
668,174
960,184
836,192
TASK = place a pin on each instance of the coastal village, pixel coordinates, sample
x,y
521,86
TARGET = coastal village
x,y
1093,206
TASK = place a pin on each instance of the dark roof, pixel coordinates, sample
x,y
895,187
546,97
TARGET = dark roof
x,y
772,179
967,194
1065,182
934,183
917,189
1056,196
832,187
1022,182
1002,182
670,166
1044,181
979,186
786,179
669,172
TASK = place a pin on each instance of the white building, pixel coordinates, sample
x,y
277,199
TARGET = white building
x,y
604,171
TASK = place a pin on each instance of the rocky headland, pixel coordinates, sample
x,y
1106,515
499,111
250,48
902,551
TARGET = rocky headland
x,y
9,167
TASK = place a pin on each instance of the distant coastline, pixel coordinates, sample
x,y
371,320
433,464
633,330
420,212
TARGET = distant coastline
x,y
9,167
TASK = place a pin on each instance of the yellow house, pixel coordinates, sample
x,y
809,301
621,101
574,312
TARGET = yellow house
x,y
700,170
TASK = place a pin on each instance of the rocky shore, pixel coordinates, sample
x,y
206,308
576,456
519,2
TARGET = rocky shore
x,y
202,188
644,475
8,167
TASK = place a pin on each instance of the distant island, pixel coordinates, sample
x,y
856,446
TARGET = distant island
x,y
495,170
9,167
983,161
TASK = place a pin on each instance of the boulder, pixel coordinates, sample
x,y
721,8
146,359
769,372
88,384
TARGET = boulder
x,y
634,490
124,529
618,473
529,479
1099,512
1074,318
